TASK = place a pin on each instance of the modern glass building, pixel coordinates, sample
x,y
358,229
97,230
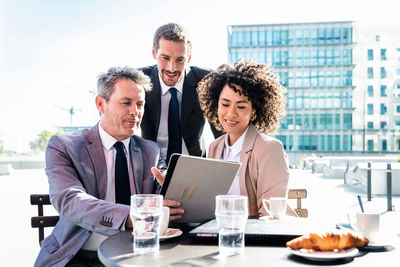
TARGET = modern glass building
x,y
377,94
315,64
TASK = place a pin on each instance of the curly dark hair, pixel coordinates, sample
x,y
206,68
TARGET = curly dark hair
x,y
260,85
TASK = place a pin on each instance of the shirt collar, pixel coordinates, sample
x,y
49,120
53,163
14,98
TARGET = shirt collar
x,y
236,148
108,141
178,86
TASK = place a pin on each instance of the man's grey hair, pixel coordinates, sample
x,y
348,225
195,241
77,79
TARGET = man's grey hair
x,y
107,80
172,32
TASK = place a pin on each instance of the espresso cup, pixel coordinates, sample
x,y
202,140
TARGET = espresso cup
x,y
277,206
367,224
164,220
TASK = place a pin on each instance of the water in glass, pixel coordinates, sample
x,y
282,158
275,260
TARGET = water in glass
x,y
231,215
145,225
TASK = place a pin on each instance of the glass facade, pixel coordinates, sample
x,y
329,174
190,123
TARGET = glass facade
x,y
315,63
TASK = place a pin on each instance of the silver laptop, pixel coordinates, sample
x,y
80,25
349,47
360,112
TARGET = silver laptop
x,y
195,181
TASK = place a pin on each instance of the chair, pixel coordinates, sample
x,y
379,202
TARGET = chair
x,y
41,221
299,194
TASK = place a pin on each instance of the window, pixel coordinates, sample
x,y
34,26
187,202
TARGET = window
x,y
383,109
383,73
397,125
347,57
337,122
383,125
306,121
330,143
370,109
383,54
314,121
298,121
370,54
254,38
370,72
322,143
262,37
370,145
370,125
347,121
397,109
384,145
383,90
247,35
347,35
370,90
337,142
347,143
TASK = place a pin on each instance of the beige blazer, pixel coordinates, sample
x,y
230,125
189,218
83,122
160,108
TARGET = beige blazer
x,y
264,171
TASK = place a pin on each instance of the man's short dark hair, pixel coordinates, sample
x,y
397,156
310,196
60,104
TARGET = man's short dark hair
x,y
172,32
107,80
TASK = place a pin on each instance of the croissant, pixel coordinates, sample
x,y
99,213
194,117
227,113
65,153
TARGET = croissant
x,y
328,241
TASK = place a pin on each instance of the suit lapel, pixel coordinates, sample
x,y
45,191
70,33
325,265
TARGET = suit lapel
x,y
220,148
96,154
189,97
248,145
153,101
137,165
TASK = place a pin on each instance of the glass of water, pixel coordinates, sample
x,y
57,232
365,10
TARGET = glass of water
x,y
146,210
231,214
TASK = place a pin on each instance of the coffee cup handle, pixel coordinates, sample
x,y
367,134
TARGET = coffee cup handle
x,y
264,201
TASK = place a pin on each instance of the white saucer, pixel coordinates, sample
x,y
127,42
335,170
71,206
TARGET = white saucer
x,y
325,255
170,233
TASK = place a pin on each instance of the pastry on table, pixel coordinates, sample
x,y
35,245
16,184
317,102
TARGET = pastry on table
x,y
327,241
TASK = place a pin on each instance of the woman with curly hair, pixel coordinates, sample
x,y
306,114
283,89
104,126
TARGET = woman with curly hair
x,y
247,102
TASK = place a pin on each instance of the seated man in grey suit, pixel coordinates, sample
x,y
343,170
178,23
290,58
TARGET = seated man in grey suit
x,y
173,117
93,172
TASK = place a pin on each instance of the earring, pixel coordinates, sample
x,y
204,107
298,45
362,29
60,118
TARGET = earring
x,y
253,117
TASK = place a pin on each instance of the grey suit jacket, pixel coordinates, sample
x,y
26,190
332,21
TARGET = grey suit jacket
x,y
77,173
192,119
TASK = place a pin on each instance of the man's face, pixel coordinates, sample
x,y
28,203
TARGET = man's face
x,y
122,114
172,58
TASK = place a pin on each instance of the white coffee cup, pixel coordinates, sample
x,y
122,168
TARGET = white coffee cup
x,y
164,220
367,224
277,206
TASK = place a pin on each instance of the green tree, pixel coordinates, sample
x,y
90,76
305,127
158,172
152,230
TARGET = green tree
x,y
1,146
43,138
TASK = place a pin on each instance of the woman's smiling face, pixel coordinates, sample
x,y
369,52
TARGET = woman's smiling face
x,y
234,112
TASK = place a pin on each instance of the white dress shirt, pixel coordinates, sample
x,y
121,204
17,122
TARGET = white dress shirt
x,y
110,153
232,153
162,135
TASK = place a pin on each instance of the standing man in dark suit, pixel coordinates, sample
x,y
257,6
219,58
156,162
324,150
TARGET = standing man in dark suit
x,y
182,131
92,173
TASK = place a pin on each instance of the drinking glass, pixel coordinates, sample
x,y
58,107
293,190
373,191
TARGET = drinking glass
x,y
146,210
231,214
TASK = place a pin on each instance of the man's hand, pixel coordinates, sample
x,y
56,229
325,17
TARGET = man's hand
x,y
160,177
175,212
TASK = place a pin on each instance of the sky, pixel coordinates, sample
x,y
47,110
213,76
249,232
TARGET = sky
x,y
51,52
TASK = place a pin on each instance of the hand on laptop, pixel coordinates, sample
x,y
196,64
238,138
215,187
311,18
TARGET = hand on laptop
x,y
175,212
158,175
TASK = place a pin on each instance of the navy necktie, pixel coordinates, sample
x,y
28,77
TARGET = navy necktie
x,y
122,186
174,128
